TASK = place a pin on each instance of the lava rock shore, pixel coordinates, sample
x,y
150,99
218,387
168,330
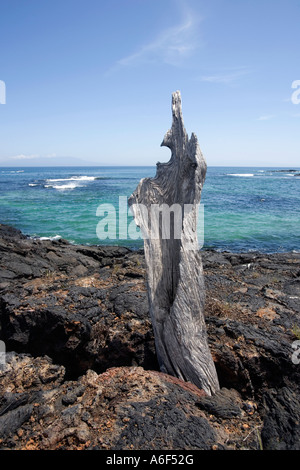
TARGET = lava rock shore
x,y
80,368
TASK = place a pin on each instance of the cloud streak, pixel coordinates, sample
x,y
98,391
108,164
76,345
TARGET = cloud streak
x,y
266,117
171,46
30,157
226,77
24,157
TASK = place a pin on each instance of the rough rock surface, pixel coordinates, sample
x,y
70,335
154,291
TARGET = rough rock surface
x,y
81,370
86,307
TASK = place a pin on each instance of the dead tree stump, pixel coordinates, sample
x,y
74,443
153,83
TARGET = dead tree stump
x,y
166,210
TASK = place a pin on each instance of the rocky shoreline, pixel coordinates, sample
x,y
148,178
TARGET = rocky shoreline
x,y
81,369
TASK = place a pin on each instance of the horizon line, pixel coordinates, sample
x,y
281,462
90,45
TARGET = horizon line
x,y
143,166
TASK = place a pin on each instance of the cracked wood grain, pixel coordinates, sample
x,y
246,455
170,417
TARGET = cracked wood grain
x,y
166,210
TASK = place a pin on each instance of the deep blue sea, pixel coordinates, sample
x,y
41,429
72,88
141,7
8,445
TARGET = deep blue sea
x,y
245,209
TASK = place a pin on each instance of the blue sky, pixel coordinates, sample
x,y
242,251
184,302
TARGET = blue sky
x,y
92,80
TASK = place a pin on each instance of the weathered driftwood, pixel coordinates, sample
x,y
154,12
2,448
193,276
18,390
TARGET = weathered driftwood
x,y
174,267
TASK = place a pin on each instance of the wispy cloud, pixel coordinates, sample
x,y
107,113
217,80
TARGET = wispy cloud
x,y
226,77
266,117
24,157
171,46
30,157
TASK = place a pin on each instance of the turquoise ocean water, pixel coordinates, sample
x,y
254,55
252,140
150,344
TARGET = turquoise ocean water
x,y
245,209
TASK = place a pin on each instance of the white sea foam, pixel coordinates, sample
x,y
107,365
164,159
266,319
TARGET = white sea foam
x,y
62,186
70,183
72,178
56,237
65,186
32,184
241,174
84,178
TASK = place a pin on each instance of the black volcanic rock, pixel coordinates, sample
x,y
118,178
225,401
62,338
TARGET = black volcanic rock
x,y
76,304
81,369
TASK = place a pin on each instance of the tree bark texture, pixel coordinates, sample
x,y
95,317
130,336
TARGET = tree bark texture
x,y
166,210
